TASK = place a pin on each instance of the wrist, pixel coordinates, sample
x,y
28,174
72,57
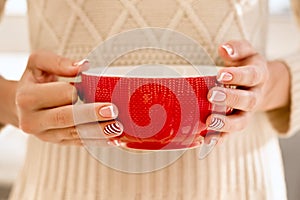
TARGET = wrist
x,y
7,97
277,87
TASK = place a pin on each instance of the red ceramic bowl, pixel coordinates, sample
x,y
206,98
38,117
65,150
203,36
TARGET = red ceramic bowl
x,y
161,108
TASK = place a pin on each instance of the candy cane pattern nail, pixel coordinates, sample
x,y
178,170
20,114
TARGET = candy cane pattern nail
x,y
216,124
113,129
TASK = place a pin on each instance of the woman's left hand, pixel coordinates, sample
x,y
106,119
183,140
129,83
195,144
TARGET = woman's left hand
x,y
259,83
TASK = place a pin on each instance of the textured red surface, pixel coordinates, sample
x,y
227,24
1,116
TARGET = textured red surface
x,y
157,113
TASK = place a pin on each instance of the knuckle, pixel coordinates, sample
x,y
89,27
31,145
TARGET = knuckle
x,y
49,139
73,133
60,118
239,125
44,138
234,99
236,125
60,61
56,136
243,123
252,102
230,126
32,57
70,143
254,76
71,94
24,100
74,95
27,126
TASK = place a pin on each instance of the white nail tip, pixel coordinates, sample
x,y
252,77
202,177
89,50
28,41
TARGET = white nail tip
x,y
207,148
225,77
217,96
221,77
228,49
81,62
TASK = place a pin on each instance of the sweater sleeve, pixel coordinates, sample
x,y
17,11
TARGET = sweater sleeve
x,y
296,8
2,3
1,125
287,120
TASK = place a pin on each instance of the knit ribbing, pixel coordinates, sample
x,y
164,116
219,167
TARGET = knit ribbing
x,y
235,170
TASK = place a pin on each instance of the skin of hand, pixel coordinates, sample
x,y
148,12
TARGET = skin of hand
x,y
261,86
45,107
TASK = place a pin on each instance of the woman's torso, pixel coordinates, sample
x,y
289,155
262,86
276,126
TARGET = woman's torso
x,y
239,168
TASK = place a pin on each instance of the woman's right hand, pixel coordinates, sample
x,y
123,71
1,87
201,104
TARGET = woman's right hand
x,y
45,107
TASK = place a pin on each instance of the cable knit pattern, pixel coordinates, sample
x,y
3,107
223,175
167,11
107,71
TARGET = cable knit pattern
x,y
83,24
246,166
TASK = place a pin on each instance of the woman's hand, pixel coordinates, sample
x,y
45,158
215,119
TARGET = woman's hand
x,y
262,86
45,107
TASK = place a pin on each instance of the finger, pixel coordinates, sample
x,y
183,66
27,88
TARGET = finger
x,y
96,131
71,115
59,135
103,130
247,76
97,143
49,62
87,143
46,95
102,134
76,142
245,100
212,135
229,124
215,135
236,50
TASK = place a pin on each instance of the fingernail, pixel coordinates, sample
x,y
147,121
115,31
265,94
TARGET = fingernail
x,y
109,111
216,124
207,148
225,76
113,129
83,63
228,48
217,96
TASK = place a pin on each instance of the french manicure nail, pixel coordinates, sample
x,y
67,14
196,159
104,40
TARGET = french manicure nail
x,y
225,76
109,111
216,124
113,129
228,48
207,148
217,96
84,63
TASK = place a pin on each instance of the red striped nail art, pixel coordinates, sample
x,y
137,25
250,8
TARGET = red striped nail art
x,y
216,124
113,129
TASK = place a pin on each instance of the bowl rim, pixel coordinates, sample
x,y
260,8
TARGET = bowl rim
x,y
165,71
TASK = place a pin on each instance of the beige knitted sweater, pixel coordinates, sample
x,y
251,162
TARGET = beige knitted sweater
x,y
246,165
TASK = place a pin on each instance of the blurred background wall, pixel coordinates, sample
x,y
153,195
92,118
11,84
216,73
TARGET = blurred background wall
x,y
284,38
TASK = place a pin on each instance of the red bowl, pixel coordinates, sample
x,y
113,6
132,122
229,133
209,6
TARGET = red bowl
x,y
160,109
